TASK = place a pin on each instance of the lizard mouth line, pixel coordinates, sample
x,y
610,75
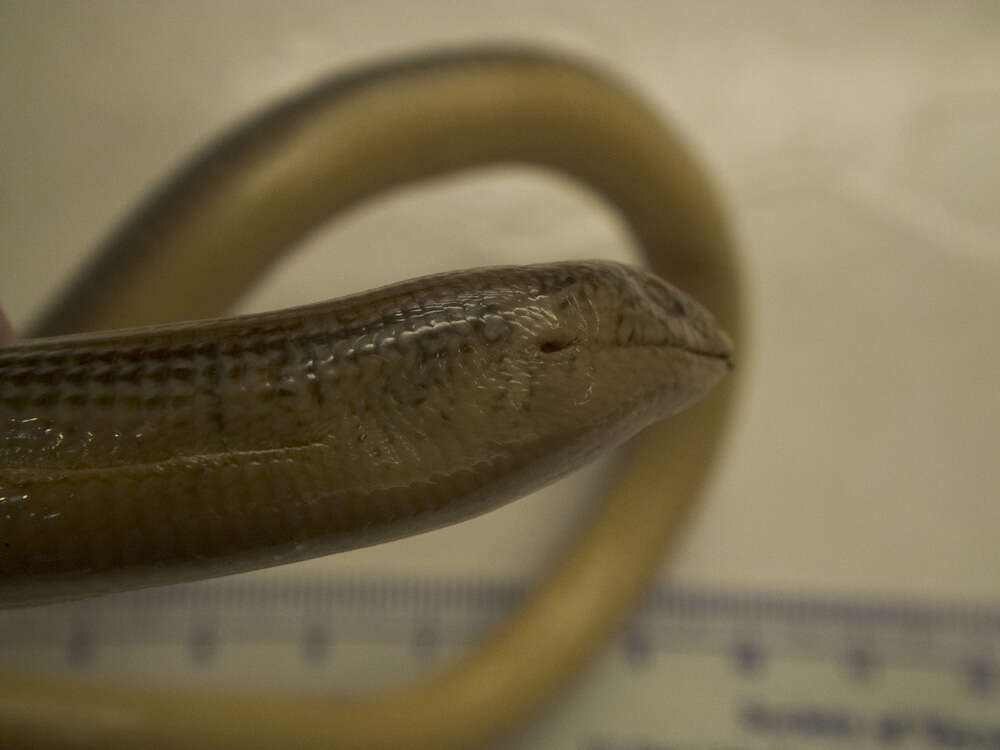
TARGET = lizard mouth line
x,y
725,355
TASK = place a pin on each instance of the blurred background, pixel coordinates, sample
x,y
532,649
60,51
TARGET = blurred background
x,y
856,145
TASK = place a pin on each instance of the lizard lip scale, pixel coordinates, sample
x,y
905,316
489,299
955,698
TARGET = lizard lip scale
x,y
152,452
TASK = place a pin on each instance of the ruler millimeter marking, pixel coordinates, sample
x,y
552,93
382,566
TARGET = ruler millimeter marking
x,y
692,669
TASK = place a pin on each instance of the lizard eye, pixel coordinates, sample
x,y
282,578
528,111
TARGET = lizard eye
x,y
551,346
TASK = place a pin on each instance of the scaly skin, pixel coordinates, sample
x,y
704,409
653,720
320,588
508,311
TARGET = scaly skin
x,y
524,373
161,455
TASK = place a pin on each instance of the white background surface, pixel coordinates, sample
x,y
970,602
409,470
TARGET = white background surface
x,y
856,143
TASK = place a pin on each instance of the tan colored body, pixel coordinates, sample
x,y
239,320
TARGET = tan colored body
x,y
167,454
177,453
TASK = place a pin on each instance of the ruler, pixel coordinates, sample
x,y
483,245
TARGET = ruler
x,y
693,669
